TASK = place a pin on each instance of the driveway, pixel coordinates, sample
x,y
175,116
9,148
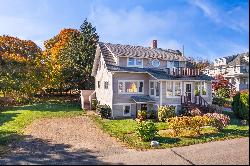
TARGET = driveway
x,y
79,141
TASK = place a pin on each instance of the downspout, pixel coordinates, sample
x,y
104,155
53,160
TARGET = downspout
x,y
160,93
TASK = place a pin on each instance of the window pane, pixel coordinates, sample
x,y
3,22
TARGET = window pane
x,y
151,84
131,61
197,88
169,88
176,63
177,89
138,62
120,87
157,89
131,87
204,88
141,87
127,109
152,91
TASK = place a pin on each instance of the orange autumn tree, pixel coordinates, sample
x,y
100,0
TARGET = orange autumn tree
x,y
21,68
55,50
70,55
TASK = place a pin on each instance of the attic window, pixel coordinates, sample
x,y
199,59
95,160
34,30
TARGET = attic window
x,y
156,63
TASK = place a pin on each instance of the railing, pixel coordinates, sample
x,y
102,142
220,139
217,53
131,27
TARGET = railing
x,y
185,99
182,71
197,100
201,101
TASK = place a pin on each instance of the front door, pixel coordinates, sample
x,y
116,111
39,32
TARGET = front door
x,y
188,91
144,107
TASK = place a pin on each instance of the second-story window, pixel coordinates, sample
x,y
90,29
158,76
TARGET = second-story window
x,y
135,62
106,84
176,64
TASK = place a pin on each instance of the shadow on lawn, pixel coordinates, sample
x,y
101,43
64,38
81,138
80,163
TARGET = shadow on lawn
x,y
6,117
51,107
167,140
225,133
37,151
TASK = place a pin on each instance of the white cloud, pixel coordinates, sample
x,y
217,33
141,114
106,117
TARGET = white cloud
x,y
236,19
207,9
131,25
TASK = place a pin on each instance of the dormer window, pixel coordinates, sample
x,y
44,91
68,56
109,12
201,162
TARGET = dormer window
x,y
135,62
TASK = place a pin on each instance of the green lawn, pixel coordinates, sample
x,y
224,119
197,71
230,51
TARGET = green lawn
x,y
14,120
124,130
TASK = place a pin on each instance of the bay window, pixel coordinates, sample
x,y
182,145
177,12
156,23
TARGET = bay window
x,y
130,87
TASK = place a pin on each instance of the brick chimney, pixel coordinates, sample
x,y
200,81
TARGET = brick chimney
x,y
154,44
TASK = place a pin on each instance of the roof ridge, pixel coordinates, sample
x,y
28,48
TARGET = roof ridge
x,y
157,49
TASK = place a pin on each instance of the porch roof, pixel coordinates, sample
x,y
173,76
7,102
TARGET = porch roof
x,y
142,99
159,74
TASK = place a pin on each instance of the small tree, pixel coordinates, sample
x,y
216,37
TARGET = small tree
x,y
146,130
222,87
240,105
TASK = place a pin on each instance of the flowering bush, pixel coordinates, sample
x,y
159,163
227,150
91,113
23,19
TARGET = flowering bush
x,y
142,115
219,120
165,112
146,130
190,123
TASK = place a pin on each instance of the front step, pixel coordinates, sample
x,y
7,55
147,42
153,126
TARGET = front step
x,y
194,109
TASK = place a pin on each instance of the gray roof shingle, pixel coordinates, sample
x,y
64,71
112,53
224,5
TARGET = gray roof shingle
x,y
141,99
157,73
147,52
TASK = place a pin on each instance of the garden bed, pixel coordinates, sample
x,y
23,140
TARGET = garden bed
x,y
125,131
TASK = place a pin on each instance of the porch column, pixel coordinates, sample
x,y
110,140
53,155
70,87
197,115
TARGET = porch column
x,y
161,93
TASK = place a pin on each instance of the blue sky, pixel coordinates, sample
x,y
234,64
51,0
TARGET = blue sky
x,y
207,28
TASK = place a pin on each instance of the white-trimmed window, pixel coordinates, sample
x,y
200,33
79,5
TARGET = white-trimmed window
x,y
154,88
131,87
177,88
106,84
173,89
135,62
126,110
200,88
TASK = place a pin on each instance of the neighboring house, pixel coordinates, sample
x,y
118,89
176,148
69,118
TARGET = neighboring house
x,y
129,78
234,68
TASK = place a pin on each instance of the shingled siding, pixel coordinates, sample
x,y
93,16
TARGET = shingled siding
x,y
147,63
118,110
104,96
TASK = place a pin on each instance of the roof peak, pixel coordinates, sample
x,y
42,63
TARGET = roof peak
x,y
137,46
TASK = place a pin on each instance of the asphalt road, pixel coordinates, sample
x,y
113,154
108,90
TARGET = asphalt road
x,y
229,152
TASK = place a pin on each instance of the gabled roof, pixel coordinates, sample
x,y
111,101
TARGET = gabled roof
x,y
239,59
112,51
143,52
